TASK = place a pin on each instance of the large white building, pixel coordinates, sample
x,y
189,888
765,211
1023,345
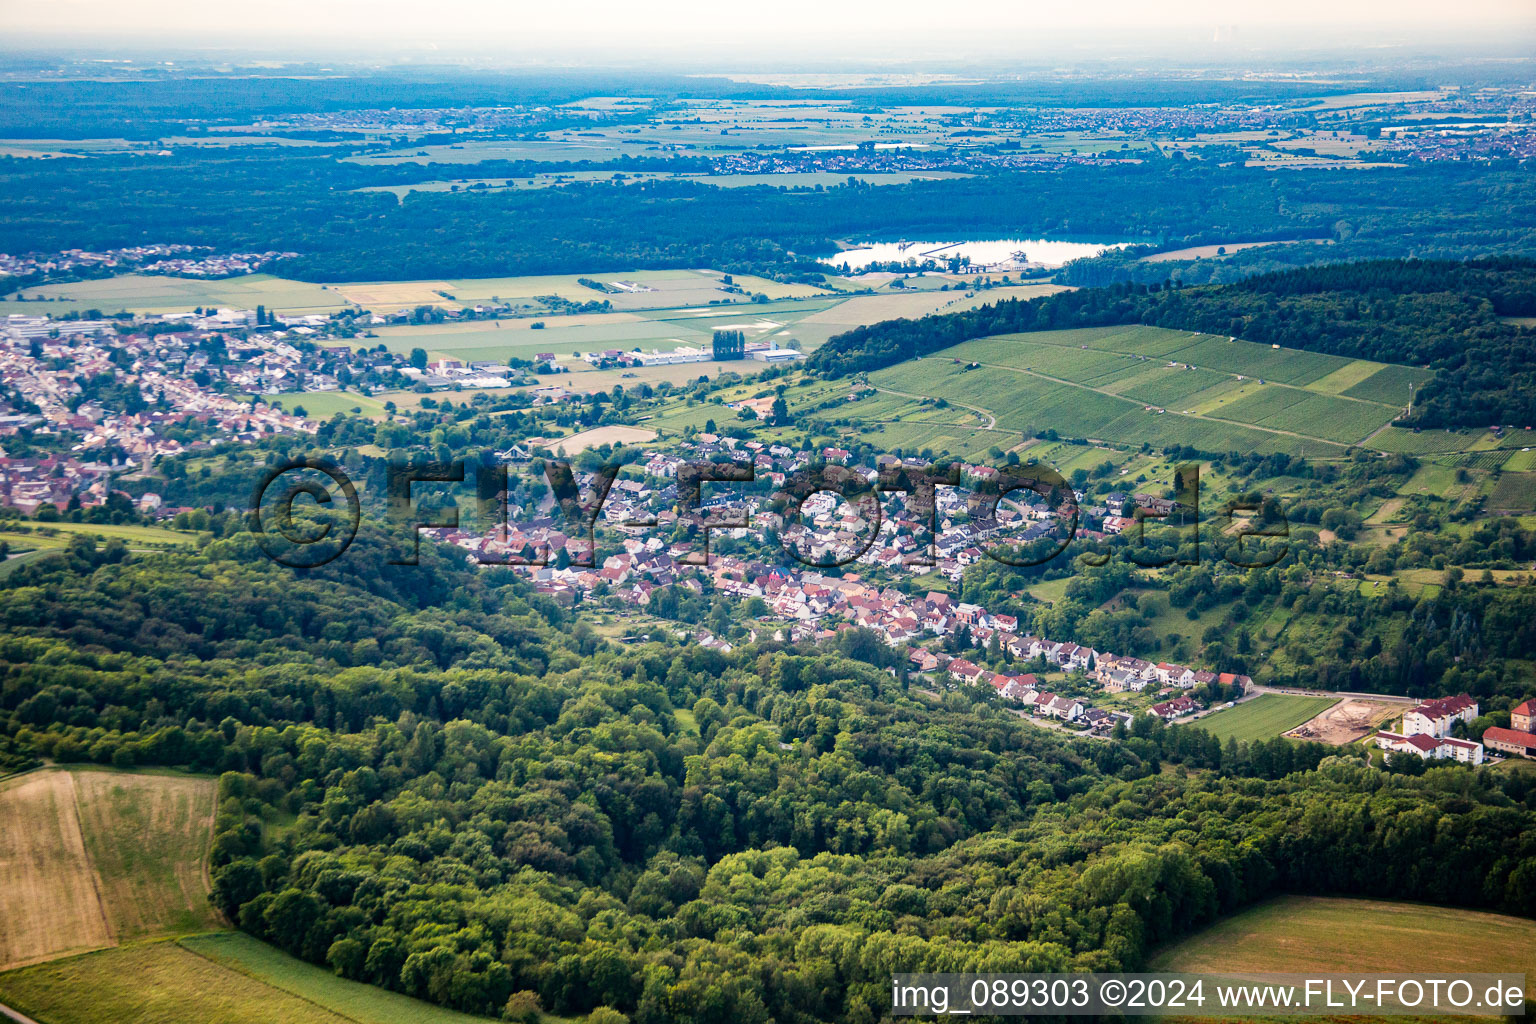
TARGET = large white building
x,y
1431,748
1434,718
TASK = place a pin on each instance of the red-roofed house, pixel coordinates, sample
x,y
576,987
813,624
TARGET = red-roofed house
x,y
1520,719
1510,741
1434,717
1431,748
1171,709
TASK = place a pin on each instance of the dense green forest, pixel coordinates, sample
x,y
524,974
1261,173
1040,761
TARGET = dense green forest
x,y
1446,316
438,783
285,199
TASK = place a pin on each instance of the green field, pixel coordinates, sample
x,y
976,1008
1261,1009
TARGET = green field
x,y
322,405
222,978
356,1001
1311,933
148,293
1264,717
1514,492
58,535
1134,385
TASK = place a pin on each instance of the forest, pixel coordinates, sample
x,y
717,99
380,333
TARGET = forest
x,y
436,782
1454,318
272,198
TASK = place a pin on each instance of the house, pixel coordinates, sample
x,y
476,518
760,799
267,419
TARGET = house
x,y
923,661
1015,687
1118,680
1068,709
1431,747
965,671
1103,721
1518,742
1171,709
1434,718
1520,718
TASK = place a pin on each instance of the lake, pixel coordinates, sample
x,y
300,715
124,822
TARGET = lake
x,y
1037,250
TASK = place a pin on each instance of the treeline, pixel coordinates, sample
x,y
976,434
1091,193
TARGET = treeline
x,y
1447,316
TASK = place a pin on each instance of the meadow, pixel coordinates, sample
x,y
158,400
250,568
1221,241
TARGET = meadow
x,y
1263,718
149,293
218,978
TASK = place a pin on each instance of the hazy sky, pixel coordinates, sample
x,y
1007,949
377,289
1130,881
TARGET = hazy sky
x,y
521,27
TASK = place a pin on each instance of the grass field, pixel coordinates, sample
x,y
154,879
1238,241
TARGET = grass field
x,y
58,534
1264,717
150,293
353,1000
217,978
158,983
322,405
1310,933
91,858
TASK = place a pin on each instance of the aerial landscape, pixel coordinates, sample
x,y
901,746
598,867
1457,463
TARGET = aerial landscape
x,y
722,516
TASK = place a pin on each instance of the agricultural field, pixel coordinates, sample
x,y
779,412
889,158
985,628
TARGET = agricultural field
x,y
1514,492
147,838
58,535
599,436
220,978
157,983
635,289
93,858
1315,933
352,1000
48,897
1263,718
148,293
1129,385
1203,252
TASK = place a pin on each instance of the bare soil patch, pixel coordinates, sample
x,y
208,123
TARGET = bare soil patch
x,y
1346,722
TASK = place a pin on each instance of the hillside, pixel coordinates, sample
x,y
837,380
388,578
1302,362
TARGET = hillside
x,y
1456,319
